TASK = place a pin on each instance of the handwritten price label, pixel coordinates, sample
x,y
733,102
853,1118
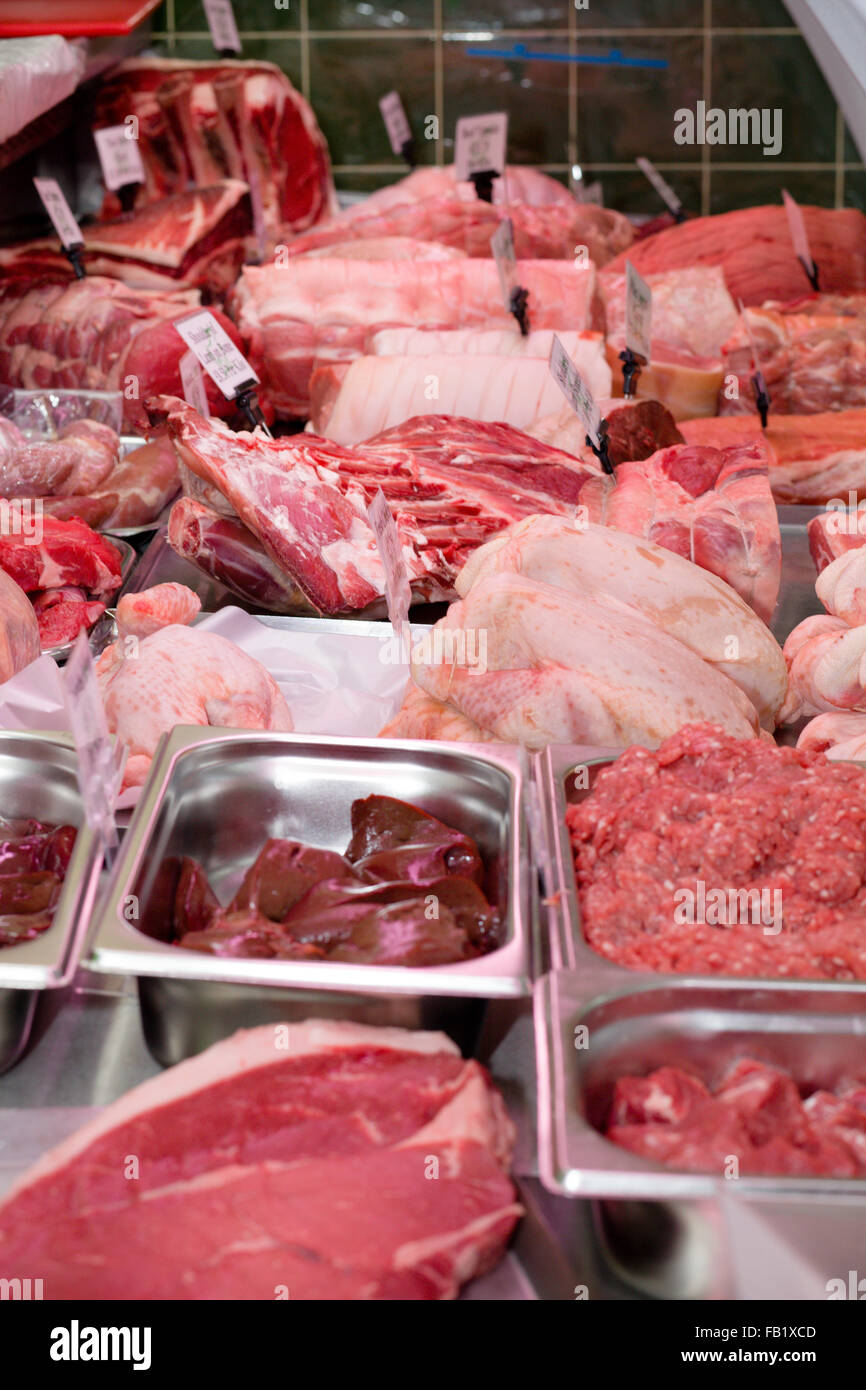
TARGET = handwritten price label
x,y
223,29
216,352
119,156
396,122
192,381
661,186
59,211
638,312
575,390
480,143
502,246
397,591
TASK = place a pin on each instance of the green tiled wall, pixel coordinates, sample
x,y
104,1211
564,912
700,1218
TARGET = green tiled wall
x,y
345,54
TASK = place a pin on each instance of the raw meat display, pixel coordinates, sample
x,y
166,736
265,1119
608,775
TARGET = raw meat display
x,y
384,248
98,334
711,855
839,736
811,458
319,1149
140,615
554,231
452,484
69,571
836,531
203,122
560,667
350,402
19,631
469,342
34,859
190,240
692,311
810,362
316,312
369,906
753,247
826,655
683,600
179,675
525,185
755,1111
636,429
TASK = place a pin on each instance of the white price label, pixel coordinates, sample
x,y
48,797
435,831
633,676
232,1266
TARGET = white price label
x,y
397,591
192,381
396,122
575,390
224,363
221,22
119,156
98,774
661,186
502,246
480,143
638,313
59,211
799,236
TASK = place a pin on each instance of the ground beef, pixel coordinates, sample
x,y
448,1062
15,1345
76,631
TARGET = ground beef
x,y
756,1115
702,818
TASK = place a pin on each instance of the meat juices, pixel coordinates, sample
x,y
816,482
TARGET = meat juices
x,y
406,892
713,855
33,863
755,1113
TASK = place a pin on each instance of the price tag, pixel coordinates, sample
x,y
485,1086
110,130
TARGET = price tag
x,y
638,313
575,390
759,384
192,380
502,246
224,363
479,143
59,211
221,22
799,236
98,775
396,123
661,186
397,591
119,156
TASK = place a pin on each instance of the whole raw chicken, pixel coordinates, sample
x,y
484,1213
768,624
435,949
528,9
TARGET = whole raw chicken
x,y
180,675
559,667
826,652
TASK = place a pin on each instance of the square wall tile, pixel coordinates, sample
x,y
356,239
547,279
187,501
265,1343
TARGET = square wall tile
x,y
733,188
855,189
751,14
347,78
255,16
534,93
286,53
775,72
632,193
460,17
623,112
376,15
641,14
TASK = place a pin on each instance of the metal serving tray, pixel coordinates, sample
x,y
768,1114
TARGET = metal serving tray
x,y
218,797
569,949
38,778
668,1232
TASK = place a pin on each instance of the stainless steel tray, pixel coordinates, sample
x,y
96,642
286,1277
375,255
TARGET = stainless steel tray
x,y
219,796
38,778
671,1233
569,949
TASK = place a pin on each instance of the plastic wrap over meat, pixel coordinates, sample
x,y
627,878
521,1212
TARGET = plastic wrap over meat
x,y
35,74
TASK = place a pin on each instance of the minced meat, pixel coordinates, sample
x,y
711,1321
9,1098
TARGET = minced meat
x,y
718,855
756,1115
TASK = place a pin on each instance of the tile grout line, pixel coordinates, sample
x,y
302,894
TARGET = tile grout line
x,y
439,80
707,84
840,158
305,48
573,144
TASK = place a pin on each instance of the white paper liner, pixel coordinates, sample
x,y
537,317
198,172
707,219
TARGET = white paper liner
x,y
334,683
